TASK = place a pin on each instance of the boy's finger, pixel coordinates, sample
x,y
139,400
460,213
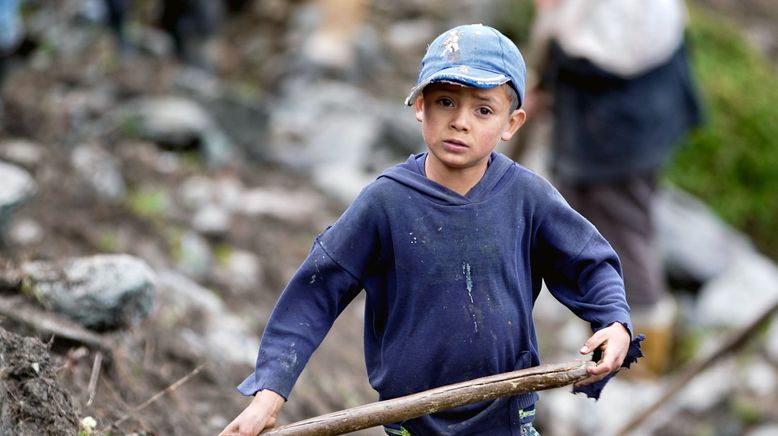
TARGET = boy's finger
x,y
599,369
590,380
592,343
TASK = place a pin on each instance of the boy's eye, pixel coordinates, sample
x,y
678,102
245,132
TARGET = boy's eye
x,y
484,111
445,102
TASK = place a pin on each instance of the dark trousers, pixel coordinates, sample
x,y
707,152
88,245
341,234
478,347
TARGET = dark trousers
x,y
622,211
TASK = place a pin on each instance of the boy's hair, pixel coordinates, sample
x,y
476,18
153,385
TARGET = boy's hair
x,y
513,97
473,55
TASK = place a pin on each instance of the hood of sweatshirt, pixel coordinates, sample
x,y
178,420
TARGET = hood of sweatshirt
x,y
411,174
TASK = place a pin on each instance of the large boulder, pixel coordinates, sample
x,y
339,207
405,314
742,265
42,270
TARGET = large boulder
x,y
178,123
696,244
740,293
100,170
340,135
100,292
220,333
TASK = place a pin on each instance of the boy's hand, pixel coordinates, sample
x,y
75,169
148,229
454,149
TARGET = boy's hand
x,y
259,415
614,343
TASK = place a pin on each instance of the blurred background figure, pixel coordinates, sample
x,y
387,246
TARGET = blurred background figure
x,y
190,23
10,25
616,76
115,12
10,37
332,43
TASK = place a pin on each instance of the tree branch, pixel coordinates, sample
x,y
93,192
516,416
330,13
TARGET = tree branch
x,y
434,400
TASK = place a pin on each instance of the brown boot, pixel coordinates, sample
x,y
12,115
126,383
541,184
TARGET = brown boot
x,y
656,323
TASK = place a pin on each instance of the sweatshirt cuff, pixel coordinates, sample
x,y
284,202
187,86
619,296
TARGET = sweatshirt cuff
x,y
253,384
633,353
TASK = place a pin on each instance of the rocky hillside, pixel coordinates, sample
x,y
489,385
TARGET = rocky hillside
x,y
151,213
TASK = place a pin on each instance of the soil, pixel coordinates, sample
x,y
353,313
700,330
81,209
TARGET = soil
x,y
32,401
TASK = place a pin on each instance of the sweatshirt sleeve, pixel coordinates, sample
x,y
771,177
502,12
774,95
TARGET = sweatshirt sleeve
x,y
318,292
583,272
579,266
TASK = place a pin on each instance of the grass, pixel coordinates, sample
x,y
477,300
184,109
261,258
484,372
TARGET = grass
x,y
148,203
732,161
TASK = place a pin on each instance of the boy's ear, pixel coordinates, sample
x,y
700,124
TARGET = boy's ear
x,y
515,120
418,106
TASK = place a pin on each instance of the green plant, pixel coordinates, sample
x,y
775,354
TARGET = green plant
x,y
731,162
515,20
107,242
222,253
147,202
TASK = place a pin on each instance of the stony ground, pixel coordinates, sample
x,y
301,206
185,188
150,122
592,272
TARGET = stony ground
x,y
60,101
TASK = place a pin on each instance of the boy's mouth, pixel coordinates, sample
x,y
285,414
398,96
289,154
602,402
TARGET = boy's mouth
x,y
454,144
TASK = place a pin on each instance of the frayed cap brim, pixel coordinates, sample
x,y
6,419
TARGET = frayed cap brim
x,y
467,76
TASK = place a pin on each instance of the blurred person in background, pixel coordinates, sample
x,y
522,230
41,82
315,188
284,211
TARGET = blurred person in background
x,y
332,44
11,33
115,11
189,24
616,76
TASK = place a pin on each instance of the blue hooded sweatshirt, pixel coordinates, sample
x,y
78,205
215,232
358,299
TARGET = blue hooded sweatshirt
x,y
450,283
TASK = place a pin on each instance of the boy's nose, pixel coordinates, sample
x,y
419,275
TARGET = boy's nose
x,y
459,121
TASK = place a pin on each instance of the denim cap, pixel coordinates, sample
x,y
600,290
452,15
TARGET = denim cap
x,y
473,55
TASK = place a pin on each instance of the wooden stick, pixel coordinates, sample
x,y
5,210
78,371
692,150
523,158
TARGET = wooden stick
x,y
159,394
434,400
734,342
94,377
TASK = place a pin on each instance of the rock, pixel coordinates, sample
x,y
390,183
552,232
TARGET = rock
x,y
341,181
100,170
199,82
194,256
212,221
16,187
343,117
696,245
224,336
31,400
198,192
760,378
563,413
99,292
241,113
400,134
750,282
764,430
349,146
411,36
278,203
179,123
708,388
173,121
240,270
150,40
22,152
25,232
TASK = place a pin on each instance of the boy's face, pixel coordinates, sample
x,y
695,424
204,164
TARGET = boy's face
x,y
462,125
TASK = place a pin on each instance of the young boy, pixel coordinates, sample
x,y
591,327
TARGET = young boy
x,y
450,248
